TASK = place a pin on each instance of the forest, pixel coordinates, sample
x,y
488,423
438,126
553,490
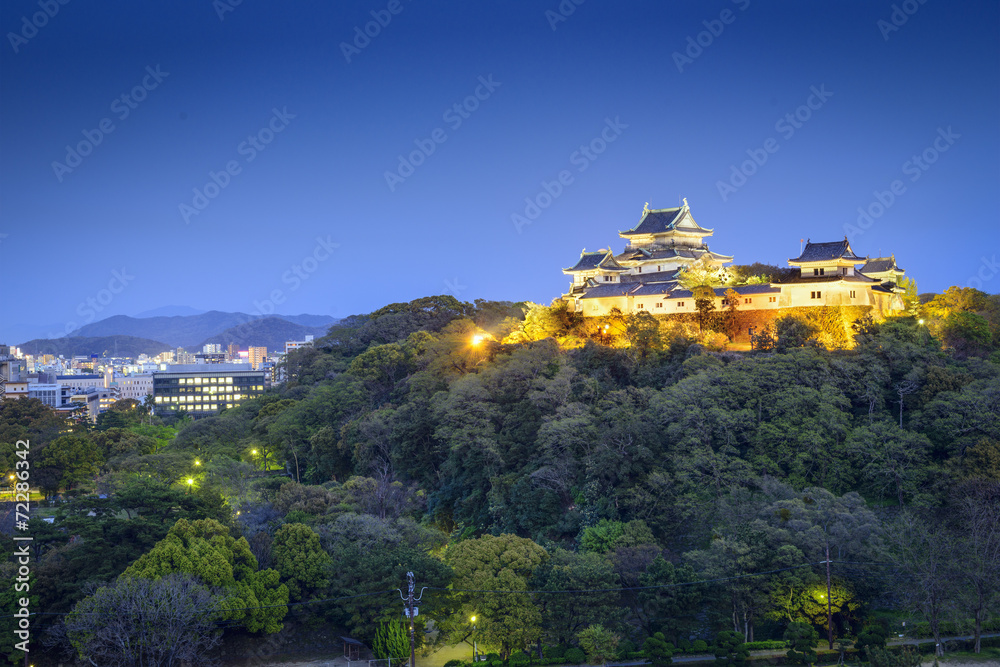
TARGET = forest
x,y
563,489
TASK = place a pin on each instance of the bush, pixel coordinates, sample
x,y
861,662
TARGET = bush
x,y
519,659
554,652
767,645
493,657
453,663
698,646
575,656
684,645
624,648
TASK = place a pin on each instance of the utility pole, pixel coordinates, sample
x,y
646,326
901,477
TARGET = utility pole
x,y
411,612
409,603
829,602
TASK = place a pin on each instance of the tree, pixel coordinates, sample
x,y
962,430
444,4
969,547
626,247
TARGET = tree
x,y
704,303
979,509
874,636
925,553
138,621
300,560
792,331
75,457
820,522
502,563
889,457
730,649
563,616
803,637
392,640
205,550
599,643
658,650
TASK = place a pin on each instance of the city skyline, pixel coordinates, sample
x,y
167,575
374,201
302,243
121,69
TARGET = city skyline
x,y
330,160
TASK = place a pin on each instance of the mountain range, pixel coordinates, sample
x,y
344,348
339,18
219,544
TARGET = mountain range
x,y
188,331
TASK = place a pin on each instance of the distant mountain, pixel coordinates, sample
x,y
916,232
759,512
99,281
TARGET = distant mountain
x,y
187,331
311,320
270,332
122,346
170,311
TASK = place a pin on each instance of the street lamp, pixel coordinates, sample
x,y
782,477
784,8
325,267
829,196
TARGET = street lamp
x,y
197,462
474,655
190,482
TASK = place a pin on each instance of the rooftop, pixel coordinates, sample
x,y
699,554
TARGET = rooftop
x,y
822,252
664,220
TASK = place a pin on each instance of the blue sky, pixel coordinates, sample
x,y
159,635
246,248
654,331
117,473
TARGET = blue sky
x,y
246,167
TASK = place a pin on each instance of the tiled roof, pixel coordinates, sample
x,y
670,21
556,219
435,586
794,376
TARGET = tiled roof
x,y
592,261
648,289
660,221
654,277
879,264
819,252
796,277
609,289
746,290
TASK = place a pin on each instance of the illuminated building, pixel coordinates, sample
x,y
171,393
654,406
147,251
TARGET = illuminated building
x,y
645,276
204,389
296,344
257,356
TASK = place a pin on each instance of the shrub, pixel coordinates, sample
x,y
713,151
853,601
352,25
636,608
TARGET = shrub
x,y
493,657
554,652
453,663
575,656
698,646
684,645
766,645
519,659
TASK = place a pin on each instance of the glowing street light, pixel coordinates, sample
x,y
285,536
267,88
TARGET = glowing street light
x,y
197,462
474,647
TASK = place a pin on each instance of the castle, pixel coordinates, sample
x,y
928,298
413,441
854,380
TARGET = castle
x,y
644,276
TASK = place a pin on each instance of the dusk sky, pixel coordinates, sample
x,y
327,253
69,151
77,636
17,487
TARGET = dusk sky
x,y
219,155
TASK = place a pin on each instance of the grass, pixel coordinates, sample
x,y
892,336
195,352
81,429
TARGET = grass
x,y
989,655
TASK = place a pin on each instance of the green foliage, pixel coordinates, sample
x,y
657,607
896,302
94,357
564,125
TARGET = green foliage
x,y
503,563
659,651
300,560
730,649
905,656
575,656
392,640
873,636
802,639
205,549
519,659
698,646
599,643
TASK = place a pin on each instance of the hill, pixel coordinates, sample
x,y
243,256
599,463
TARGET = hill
x,y
122,346
186,331
271,332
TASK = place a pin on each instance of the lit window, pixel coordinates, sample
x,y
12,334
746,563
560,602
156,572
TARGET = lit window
x,y
659,305
640,306
229,380
680,304
852,294
772,299
747,300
